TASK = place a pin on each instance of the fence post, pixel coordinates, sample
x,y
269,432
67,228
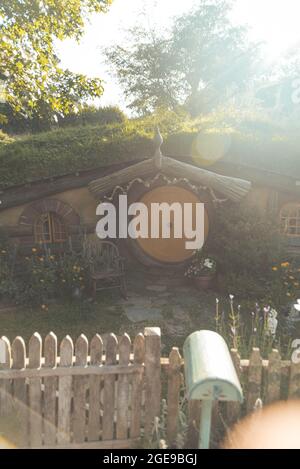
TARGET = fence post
x,y
294,388
234,408
254,379
174,384
273,377
152,376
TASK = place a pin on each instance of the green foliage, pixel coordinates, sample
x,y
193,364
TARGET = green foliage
x,y
61,151
41,277
201,265
286,281
246,244
195,64
5,139
35,83
91,115
245,327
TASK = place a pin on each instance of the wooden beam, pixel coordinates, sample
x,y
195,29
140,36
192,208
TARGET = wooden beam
x,y
71,371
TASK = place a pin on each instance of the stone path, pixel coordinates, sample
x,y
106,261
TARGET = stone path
x,y
164,302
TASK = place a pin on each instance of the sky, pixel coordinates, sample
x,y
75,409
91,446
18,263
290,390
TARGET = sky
x,y
273,22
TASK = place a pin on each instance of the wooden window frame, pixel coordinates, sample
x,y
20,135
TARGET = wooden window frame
x,y
292,210
57,232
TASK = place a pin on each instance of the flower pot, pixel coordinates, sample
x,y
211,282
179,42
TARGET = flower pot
x,y
204,282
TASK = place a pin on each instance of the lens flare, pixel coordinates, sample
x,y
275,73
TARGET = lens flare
x,y
210,147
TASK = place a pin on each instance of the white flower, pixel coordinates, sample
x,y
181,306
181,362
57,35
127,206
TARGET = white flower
x,y
208,263
231,297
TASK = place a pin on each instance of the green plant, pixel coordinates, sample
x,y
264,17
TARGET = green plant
x,y
245,327
38,282
41,276
72,274
286,281
158,438
246,244
201,265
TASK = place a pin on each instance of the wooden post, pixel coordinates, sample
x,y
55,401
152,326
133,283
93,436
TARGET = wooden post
x,y
174,384
137,387
20,392
50,388
65,393
123,389
273,377
294,384
5,384
254,379
35,392
109,390
96,349
79,387
152,376
233,409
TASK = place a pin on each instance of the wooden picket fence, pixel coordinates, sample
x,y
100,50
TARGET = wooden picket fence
x,y
107,392
91,395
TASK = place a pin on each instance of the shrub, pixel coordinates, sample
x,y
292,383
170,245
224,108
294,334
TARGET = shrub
x,y
93,115
38,283
8,286
73,274
42,277
246,245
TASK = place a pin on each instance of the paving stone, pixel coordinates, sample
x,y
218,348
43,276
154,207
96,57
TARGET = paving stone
x,y
160,302
175,329
164,294
180,314
140,313
157,288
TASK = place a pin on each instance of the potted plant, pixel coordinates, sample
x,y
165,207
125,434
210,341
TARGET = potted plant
x,y
202,271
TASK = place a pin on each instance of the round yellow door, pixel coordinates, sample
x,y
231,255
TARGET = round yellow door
x,y
171,249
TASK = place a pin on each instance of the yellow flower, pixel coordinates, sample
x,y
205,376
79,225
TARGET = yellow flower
x,y
51,258
291,277
288,294
33,250
41,259
285,264
275,269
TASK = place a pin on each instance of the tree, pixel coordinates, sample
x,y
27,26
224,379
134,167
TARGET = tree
x,y
35,83
202,59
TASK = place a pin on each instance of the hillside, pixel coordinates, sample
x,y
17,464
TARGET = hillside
x,y
69,149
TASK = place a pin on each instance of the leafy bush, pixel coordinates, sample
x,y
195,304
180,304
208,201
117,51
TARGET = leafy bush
x,y
93,115
38,283
246,245
42,277
4,138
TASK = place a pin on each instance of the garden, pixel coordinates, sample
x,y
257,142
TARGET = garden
x,y
241,284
